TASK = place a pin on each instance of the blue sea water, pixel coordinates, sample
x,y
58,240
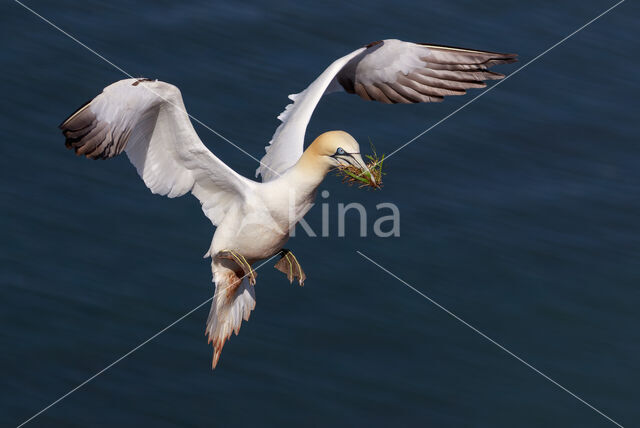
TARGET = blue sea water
x,y
519,214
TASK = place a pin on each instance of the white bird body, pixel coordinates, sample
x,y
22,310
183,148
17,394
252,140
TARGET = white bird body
x,y
147,120
259,226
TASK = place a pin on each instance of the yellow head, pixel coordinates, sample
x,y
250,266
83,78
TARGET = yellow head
x,y
333,149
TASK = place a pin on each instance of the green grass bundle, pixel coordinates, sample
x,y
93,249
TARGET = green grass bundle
x,y
353,175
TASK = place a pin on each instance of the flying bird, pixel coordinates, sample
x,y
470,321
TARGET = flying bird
x,y
147,120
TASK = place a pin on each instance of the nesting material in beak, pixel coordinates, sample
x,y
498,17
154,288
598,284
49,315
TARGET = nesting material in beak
x,y
369,175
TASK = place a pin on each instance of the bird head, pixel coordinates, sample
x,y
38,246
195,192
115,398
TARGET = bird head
x,y
339,149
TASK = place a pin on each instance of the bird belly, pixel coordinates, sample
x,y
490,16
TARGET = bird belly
x,y
260,227
257,242
256,237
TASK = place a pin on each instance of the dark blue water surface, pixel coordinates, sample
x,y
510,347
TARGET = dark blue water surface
x,y
520,214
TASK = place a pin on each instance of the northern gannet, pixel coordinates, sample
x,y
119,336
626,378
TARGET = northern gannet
x,y
147,120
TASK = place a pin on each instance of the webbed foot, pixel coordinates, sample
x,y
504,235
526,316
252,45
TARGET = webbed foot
x,y
240,261
289,265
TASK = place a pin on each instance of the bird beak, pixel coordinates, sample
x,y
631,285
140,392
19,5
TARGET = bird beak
x,y
355,161
365,170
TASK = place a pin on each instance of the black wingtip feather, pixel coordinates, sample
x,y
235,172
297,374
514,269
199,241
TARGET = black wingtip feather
x,y
64,122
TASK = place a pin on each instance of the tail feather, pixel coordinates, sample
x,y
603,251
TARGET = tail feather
x,y
233,302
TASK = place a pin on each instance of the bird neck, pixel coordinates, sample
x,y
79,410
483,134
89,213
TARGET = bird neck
x,y
310,169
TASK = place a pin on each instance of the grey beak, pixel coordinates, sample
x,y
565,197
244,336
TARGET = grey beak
x,y
363,166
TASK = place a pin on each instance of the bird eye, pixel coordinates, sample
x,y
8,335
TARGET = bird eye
x,y
340,151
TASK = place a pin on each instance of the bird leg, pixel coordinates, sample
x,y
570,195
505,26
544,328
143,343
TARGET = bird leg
x,y
289,265
241,262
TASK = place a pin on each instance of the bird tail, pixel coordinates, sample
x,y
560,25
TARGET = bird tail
x,y
232,302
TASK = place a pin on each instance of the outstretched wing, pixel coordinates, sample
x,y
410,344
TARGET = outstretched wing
x,y
389,71
147,120
287,144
